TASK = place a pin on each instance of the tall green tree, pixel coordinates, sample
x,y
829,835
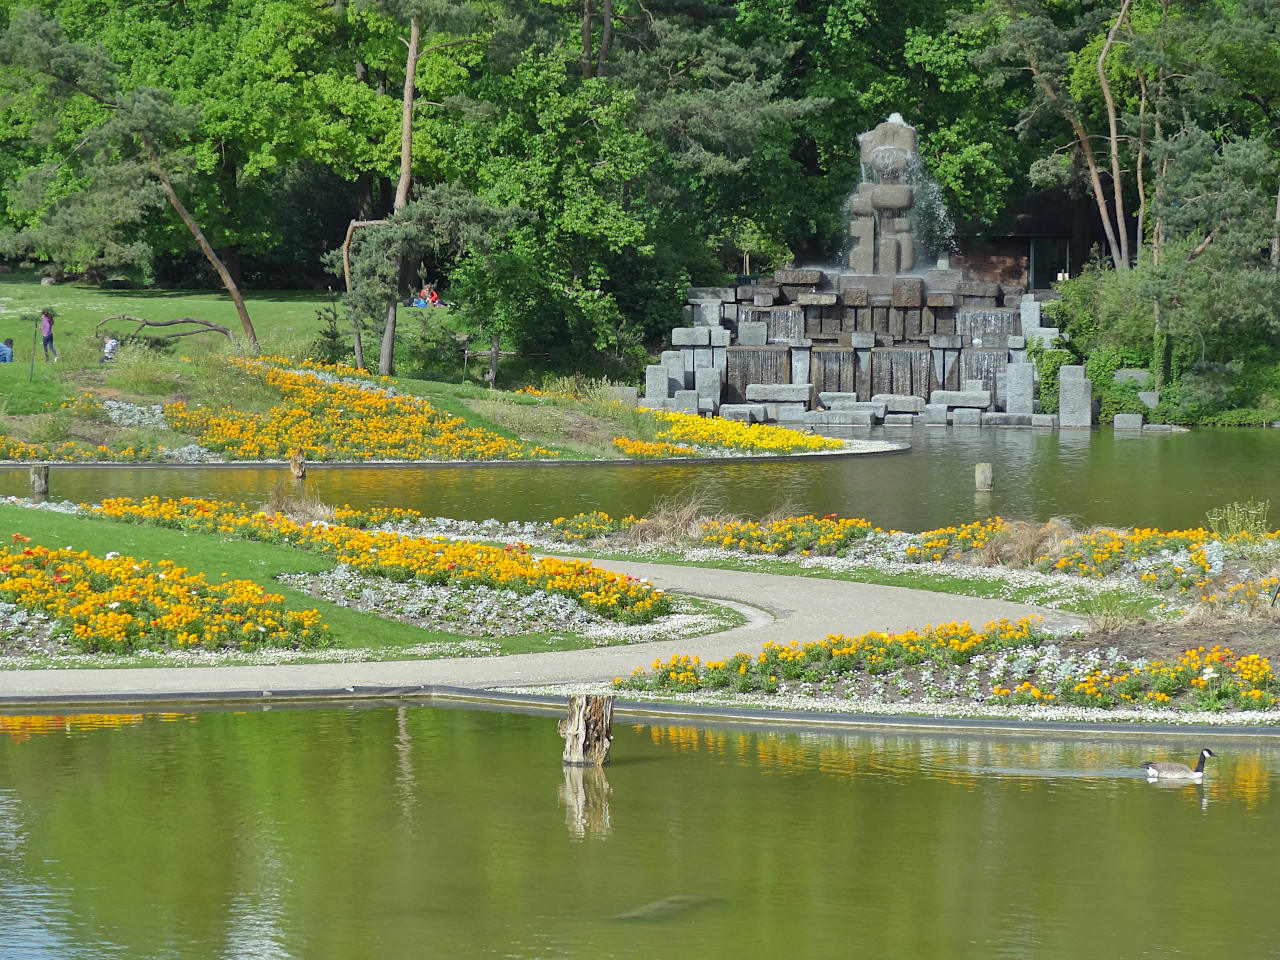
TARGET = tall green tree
x,y
565,153
132,153
1044,41
624,132
437,19
1245,53
254,69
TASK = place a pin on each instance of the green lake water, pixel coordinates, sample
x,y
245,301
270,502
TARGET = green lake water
x,y
1092,477
415,831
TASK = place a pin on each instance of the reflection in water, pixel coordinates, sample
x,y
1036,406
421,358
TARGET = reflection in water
x,y
585,797
256,913
23,726
664,908
326,832
966,761
10,826
32,921
406,780
1091,477
1189,789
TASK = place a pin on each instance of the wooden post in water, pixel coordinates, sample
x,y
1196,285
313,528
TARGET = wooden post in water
x,y
982,477
587,730
40,480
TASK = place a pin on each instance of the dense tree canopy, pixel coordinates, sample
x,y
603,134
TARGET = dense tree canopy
x,y
564,168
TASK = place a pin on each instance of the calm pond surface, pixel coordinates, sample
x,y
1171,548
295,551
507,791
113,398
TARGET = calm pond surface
x,y
417,831
1159,480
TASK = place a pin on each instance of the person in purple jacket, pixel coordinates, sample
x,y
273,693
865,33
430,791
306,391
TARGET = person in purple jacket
x,y
46,334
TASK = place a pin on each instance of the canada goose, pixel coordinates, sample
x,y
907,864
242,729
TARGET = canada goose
x,y
298,464
1165,770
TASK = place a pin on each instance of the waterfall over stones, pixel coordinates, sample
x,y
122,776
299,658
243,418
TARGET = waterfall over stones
x,y
892,335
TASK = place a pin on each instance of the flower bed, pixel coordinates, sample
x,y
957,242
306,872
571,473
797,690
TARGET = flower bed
x,y
760,438
339,413
687,434
822,661
117,604
399,557
1206,679
827,536
1189,564
1004,663
650,450
588,526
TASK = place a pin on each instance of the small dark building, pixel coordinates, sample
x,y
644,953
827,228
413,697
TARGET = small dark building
x,y
1045,234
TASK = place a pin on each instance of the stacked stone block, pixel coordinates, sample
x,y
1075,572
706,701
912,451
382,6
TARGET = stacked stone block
x,y
886,327
858,335
1075,398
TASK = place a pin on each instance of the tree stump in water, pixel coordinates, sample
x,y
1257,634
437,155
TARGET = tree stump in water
x,y
587,731
40,480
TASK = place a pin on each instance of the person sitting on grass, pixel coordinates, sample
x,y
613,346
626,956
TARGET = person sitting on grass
x,y
109,345
6,351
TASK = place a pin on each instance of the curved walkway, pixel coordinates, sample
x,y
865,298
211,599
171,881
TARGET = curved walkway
x,y
780,608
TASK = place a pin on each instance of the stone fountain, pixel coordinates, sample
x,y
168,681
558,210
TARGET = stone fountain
x,y
884,337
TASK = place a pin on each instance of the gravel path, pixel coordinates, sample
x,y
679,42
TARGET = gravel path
x,y
780,608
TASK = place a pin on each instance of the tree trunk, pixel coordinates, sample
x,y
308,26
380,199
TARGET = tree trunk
x,y
1160,348
364,179
1120,261
386,359
586,38
1275,237
357,342
495,344
40,480
231,259
364,195
1159,335
406,116
587,730
205,247
1086,150
606,35
1113,139
1139,167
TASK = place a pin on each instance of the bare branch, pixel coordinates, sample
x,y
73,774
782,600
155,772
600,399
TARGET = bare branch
x,y
1203,245
346,246
206,326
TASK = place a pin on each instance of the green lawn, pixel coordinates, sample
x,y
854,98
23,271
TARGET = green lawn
x,y
285,321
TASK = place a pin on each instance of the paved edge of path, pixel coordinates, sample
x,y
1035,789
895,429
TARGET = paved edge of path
x,y
779,608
